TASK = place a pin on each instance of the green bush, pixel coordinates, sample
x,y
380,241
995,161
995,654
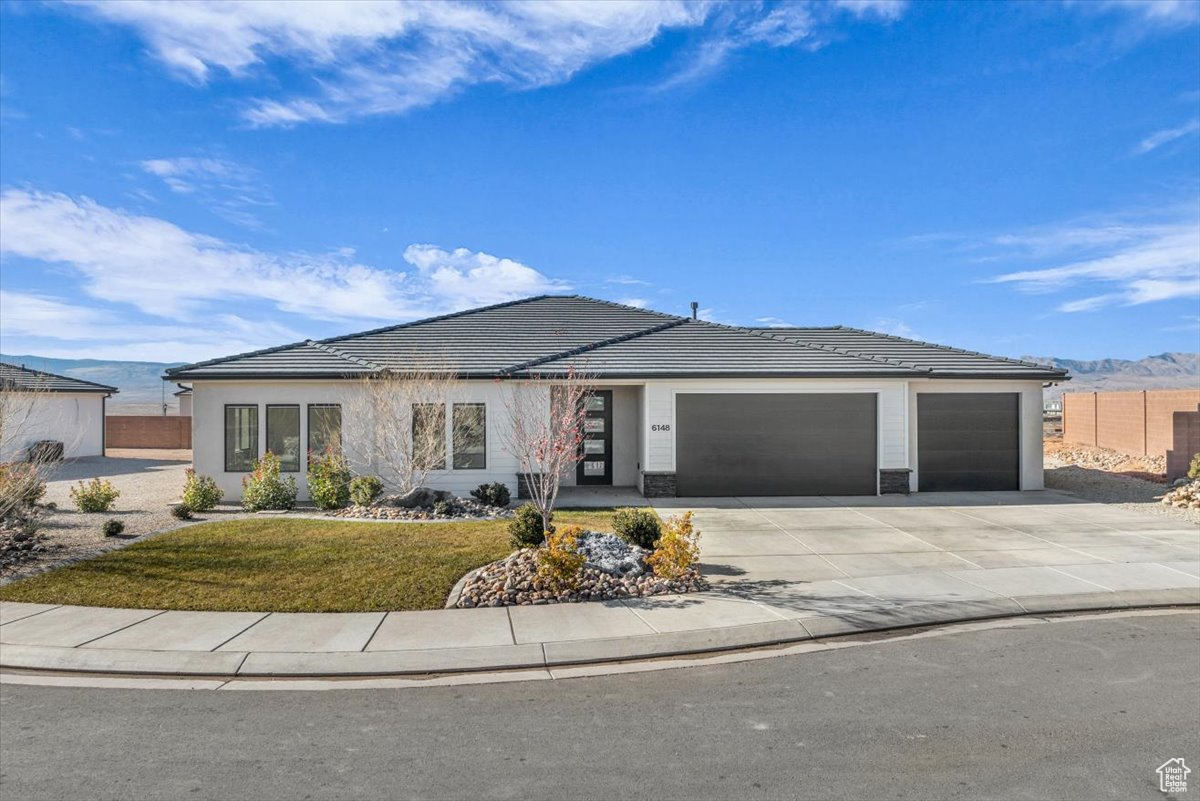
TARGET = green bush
x,y
495,494
113,527
1194,467
526,527
181,511
201,493
95,496
638,526
443,508
328,480
365,489
263,489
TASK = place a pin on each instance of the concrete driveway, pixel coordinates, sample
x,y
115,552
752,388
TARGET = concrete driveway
x,y
758,541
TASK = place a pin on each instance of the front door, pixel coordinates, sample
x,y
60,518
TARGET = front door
x,y
596,447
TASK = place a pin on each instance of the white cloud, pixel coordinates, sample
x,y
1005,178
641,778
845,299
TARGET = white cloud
x,y
626,280
1133,259
1166,136
637,303
166,271
897,328
1154,13
386,56
773,322
229,189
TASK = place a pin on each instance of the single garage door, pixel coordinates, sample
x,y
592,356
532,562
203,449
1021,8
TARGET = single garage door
x,y
968,441
775,444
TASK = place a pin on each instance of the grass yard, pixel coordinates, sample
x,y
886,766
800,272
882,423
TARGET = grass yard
x,y
282,565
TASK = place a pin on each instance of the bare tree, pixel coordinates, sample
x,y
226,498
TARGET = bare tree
x,y
402,414
25,414
545,432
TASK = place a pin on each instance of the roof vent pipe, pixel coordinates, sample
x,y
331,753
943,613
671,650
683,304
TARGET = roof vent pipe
x,y
695,309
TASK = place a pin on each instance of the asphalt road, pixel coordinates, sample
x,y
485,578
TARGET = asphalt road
x,y
1085,708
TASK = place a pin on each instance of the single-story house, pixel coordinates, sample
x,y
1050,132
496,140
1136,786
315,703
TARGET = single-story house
x,y
185,400
681,406
40,406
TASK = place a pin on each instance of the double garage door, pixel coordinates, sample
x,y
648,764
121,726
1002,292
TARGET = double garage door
x,y
827,444
775,444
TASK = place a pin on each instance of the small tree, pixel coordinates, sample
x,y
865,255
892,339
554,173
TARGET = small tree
x,y
402,413
545,433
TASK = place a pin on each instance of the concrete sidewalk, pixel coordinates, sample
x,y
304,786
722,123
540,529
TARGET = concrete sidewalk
x,y
235,644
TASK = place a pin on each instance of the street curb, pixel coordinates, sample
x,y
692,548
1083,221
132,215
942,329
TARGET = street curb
x,y
486,659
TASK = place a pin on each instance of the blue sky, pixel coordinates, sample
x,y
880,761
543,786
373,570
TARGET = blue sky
x,y
183,181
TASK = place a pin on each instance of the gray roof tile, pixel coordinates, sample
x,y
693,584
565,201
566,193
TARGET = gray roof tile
x,y
547,334
16,377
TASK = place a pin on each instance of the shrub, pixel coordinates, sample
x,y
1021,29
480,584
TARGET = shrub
x,y
365,489
639,526
95,496
494,494
329,480
559,563
113,527
678,548
443,508
21,485
263,489
181,511
1194,467
526,527
201,493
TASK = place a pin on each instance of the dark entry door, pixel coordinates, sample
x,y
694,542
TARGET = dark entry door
x,y
776,444
596,447
968,441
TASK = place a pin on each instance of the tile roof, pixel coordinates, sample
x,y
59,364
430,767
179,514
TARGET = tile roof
x,y
548,333
18,377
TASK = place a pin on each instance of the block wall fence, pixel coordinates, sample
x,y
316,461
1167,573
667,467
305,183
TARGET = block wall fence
x,y
147,431
1144,423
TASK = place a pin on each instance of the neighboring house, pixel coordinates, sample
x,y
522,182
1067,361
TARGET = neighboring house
x,y
185,400
43,406
683,407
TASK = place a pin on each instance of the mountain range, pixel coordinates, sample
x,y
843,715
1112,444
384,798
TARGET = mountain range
x,y
143,390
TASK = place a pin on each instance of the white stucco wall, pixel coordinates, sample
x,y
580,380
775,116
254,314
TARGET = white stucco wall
x,y
75,419
185,405
1032,477
209,399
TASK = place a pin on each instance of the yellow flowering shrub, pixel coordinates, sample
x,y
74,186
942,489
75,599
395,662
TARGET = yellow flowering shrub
x,y
559,564
677,549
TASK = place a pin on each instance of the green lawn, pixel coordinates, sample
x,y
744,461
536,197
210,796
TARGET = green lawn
x,y
281,565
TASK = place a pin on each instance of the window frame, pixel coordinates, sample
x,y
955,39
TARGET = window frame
x,y
412,433
225,434
454,437
267,435
308,420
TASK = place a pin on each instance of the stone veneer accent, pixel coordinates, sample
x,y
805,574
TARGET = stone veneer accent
x,y
894,481
523,486
658,485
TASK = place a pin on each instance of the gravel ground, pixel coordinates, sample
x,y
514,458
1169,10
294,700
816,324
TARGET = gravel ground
x,y
1123,491
149,482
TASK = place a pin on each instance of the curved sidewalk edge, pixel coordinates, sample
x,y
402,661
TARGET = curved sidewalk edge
x,y
560,653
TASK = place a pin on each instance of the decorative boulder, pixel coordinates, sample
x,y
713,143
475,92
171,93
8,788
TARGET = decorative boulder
x,y
424,497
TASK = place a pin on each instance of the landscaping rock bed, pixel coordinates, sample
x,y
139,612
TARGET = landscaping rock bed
x,y
389,508
615,569
18,546
1185,496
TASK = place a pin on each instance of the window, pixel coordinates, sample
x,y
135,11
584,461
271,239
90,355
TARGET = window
x,y
429,435
283,436
470,436
241,438
324,428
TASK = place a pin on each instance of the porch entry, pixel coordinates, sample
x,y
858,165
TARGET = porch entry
x,y
596,467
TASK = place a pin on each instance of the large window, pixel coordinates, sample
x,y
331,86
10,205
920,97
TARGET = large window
x,y
324,428
283,436
241,438
429,435
470,436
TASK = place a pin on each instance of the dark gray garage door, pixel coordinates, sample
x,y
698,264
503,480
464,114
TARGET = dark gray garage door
x,y
968,441
768,444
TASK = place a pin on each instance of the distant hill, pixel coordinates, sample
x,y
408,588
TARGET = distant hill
x,y
140,383
1164,371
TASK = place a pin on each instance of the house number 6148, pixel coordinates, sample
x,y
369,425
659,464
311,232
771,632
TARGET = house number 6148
x,y
660,427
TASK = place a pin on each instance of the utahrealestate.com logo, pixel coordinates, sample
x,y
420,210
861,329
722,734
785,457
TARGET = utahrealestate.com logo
x,y
1172,776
